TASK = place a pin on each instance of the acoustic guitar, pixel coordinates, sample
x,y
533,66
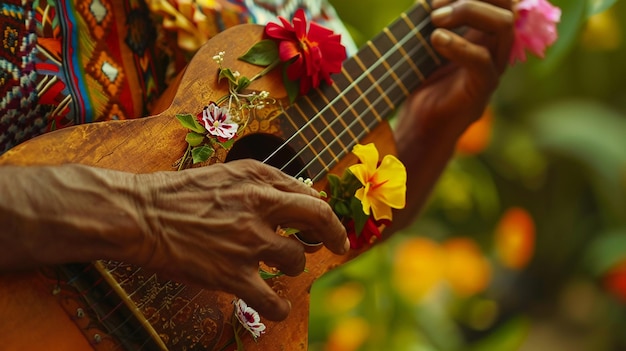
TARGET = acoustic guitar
x,y
108,305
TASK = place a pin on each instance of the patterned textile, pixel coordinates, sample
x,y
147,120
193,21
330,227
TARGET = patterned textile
x,y
68,62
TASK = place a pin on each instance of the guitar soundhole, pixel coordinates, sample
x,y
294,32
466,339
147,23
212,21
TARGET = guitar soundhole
x,y
261,146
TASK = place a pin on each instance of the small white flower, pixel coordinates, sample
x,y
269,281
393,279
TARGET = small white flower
x,y
219,58
249,318
307,181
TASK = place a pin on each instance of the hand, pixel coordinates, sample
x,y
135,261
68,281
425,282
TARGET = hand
x,y
456,95
211,226
438,112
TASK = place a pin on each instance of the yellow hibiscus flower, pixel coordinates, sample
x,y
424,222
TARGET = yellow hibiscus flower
x,y
384,186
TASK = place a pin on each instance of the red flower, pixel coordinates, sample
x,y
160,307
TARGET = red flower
x,y
313,56
368,235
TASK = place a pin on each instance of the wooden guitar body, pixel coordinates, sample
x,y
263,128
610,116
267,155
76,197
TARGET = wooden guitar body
x,y
52,310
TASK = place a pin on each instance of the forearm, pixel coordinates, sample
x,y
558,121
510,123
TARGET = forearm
x,y
54,215
425,154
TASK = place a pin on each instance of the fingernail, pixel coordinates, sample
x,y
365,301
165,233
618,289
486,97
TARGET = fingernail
x,y
441,13
346,245
441,37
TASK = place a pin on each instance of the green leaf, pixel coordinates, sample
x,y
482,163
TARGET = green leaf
x,y
265,275
228,74
263,53
190,122
360,218
335,185
509,337
341,209
606,251
568,30
598,6
292,87
593,135
194,139
243,83
290,231
228,143
201,153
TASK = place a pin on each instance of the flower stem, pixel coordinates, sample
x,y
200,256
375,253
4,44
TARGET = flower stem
x,y
265,70
183,160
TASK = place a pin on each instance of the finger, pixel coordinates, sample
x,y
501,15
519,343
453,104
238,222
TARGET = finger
x,y
493,20
316,218
280,180
285,254
481,70
258,295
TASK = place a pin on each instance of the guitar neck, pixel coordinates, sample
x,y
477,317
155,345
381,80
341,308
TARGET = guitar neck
x,y
328,122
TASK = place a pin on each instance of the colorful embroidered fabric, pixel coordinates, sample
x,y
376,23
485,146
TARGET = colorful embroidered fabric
x,y
64,62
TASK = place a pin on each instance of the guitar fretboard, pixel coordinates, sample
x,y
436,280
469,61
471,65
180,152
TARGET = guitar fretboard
x,y
325,125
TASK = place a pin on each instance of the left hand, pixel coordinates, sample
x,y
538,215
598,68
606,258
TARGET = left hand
x,y
456,95
439,111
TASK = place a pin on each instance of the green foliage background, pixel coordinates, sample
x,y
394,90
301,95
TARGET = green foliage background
x,y
559,151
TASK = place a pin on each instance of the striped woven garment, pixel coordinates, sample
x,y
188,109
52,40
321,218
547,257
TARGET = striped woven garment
x,y
64,63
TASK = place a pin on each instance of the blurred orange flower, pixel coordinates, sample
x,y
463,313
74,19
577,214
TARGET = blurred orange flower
x,y
478,136
515,238
422,265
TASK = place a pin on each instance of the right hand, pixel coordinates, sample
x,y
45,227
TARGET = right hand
x,y
211,226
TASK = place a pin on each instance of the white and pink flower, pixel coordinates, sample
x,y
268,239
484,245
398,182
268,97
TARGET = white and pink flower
x,y
218,122
249,318
535,28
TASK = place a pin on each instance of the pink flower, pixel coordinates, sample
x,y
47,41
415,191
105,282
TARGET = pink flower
x,y
249,318
314,51
217,121
535,28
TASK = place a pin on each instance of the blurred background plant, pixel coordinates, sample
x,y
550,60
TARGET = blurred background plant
x,y
523,244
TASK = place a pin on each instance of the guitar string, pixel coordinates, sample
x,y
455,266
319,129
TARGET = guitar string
x,y
362,134
358,119
412,52
411,34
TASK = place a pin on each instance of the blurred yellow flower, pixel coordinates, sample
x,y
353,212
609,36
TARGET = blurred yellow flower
x,y
515,238
421,265
384,186
348,335
418,268
602,32
467,270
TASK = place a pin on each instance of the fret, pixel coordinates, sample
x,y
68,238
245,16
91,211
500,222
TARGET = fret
x,y
342,101
374,84
342,123
342,136
414,68
423,41
425,5
302,145
388,68
370,86
322,128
